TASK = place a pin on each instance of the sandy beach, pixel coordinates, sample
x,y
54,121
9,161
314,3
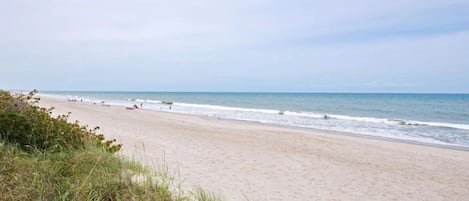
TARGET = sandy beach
x,y
253,161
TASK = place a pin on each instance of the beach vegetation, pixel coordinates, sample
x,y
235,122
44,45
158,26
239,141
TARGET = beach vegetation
x,y
48,158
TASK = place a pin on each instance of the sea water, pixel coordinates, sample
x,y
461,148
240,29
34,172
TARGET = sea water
x,y
441,119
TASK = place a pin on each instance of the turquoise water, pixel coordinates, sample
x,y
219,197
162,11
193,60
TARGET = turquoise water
x,y
428,118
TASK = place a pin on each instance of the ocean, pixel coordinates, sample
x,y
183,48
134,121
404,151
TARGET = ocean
x,y
439,119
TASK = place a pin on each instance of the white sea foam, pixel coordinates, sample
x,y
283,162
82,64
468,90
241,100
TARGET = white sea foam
x,y
143,100
364,119
440,124
389,121
153,101
304,114
217,107
401,122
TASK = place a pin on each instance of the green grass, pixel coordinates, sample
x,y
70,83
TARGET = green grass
x,y
66,161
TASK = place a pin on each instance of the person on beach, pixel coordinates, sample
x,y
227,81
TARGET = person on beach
x,y
141,105
135,106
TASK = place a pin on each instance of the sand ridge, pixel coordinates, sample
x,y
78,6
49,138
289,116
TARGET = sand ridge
x,y
252,161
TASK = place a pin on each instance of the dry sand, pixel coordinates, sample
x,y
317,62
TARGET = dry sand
x,y
251,161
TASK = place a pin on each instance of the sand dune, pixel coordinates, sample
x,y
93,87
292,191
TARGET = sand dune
x,y
251,161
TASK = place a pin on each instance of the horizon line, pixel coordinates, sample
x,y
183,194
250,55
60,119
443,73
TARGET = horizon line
x,y
259,92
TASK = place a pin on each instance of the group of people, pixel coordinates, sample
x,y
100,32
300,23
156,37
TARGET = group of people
x,y
135,107
74,100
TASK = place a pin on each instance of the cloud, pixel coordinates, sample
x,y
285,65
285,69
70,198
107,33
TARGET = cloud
x,y
299,45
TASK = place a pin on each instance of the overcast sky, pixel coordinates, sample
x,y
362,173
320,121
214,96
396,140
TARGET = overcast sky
x,y
240,45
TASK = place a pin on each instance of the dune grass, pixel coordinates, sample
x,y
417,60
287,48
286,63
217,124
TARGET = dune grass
x,y
46,158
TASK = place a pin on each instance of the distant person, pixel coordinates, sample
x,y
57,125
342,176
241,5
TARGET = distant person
x,y
141,105
135,106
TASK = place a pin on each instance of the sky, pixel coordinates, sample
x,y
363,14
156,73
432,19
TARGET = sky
x,y
404,46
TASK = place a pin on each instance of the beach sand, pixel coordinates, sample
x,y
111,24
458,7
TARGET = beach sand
x,y
253,161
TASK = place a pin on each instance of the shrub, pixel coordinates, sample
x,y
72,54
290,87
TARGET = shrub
x,y
32,127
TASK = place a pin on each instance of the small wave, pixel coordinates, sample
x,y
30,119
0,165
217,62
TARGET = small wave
x,y
144,101
153,101
440,124
302,114
400,122
364,119
217,107
340,117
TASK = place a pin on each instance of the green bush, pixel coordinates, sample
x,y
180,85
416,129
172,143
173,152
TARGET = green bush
x,y
32,127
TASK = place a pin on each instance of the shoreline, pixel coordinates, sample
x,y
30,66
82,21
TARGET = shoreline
x,y
332,132
247,160
411,142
